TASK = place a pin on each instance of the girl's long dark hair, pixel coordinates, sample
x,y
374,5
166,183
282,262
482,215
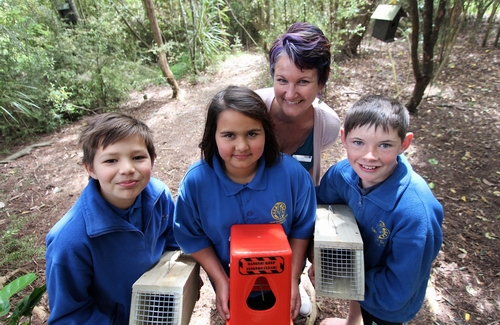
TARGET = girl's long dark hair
x,y
246,102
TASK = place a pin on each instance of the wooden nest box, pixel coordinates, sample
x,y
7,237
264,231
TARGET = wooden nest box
x,y
386,21
338,254
167,293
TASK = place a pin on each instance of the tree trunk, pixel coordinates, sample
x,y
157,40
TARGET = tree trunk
x,y
481,10
162,56
74,10
490,23
130,27
194,40
268,15
240,24
81,10
498,36
286,16
430,32
351,45
453,28
192,58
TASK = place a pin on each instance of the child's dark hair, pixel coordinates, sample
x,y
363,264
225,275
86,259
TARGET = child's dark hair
x,y
108,128
248,103
378,111
307,47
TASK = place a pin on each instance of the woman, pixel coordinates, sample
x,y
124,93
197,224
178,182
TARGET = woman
x,y
300,65
304,125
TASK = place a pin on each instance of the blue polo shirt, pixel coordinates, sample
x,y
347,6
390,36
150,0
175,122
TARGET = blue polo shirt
x,y
209,203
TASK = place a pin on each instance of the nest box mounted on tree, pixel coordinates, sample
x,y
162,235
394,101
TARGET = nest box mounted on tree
x,y
67,13
386,21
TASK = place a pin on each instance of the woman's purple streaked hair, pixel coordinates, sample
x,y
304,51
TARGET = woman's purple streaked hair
x,y
307,46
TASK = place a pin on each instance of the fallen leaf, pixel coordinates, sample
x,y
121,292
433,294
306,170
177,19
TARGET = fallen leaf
x,y
482,218
471,290
487,235
433,161
453,191
467,317
463,198
485,181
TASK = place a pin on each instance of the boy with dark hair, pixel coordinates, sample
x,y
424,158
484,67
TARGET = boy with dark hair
x,y
398,216
117,229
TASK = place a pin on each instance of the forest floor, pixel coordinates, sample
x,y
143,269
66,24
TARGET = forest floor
x,y
456,148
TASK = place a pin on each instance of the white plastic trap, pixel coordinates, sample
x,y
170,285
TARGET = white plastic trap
x,y
338,254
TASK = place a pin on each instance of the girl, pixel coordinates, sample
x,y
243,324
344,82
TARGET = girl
x,y
242,175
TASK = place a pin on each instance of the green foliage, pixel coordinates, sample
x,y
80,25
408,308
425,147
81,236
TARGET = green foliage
x,y
22,67
182,67
207,33
340,20
59,99
52,72
11,289
17,250
23,308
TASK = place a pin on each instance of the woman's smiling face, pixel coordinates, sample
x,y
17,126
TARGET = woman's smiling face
x,y
295,89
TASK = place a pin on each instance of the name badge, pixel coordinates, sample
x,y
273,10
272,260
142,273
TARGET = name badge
x,y
303,158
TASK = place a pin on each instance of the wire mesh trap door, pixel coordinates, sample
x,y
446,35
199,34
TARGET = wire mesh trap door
x,y
338,254
155,307
167,293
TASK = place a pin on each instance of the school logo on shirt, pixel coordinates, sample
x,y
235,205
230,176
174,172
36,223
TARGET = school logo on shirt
x,y
382,233
278,212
